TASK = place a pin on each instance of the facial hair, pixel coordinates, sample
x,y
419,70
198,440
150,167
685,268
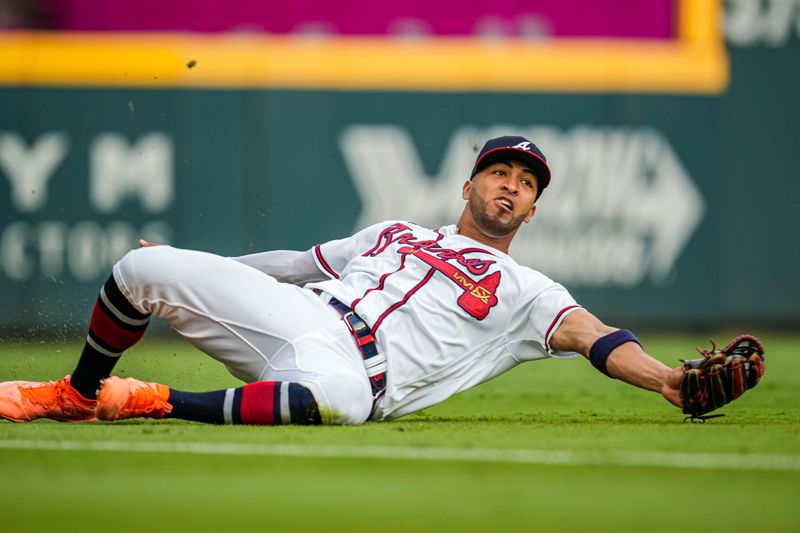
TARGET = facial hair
x,y
492,225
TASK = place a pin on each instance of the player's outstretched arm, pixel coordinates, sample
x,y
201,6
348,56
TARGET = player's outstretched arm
x,y
619,354
288,266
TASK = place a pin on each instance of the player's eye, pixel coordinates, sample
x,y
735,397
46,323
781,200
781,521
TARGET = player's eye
x,y
527,183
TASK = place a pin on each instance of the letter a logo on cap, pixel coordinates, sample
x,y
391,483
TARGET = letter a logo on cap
x,y
525,146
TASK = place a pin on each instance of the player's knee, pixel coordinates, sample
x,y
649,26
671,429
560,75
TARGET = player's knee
x,y
148,266
342,401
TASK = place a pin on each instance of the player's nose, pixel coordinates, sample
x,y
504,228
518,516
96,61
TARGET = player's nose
x,y
510,185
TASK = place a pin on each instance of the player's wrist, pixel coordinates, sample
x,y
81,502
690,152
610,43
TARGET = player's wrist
x,y
673,396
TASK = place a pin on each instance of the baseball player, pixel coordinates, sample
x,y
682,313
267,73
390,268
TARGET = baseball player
x,y
386,322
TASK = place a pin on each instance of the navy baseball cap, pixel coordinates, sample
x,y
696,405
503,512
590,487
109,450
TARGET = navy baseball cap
x,y
516,148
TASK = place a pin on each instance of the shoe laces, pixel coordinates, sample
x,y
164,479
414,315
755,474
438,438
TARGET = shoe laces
x,y
45,393
146,398
54,393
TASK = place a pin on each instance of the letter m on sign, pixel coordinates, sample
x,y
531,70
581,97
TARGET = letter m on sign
x,y
119,169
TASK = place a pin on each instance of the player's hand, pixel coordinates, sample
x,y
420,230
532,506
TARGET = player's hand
x,y
144,244
671,390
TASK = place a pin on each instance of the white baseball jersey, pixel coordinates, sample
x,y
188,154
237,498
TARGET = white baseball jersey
x,y
448,311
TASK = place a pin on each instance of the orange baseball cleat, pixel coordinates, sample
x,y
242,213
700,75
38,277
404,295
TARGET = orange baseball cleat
x,y
130,398
23,401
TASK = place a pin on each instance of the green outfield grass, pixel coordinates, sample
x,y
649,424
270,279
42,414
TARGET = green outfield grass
x,y
487,459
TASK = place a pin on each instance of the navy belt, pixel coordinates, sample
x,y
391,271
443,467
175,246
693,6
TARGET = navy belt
x,y
374,360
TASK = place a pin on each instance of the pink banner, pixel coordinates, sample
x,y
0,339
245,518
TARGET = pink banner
x,y
491,18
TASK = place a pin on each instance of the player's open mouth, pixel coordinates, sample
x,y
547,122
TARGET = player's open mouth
x,y
505,203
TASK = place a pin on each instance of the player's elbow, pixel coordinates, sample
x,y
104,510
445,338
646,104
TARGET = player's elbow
x,y
579,331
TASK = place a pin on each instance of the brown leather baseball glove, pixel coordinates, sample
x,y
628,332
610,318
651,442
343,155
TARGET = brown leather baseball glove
x,y
720,375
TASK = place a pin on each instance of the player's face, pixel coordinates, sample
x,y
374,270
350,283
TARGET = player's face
x,y
501,197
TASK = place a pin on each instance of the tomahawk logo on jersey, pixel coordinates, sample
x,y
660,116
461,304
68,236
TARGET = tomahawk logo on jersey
x,y
448,311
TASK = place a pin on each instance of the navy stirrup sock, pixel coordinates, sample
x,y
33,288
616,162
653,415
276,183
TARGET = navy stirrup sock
x,y
197,406
114,327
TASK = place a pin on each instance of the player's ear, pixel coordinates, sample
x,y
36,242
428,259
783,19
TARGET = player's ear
x,y
530,214
465,190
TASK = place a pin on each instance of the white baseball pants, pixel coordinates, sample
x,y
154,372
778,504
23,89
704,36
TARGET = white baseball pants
x,y
259,328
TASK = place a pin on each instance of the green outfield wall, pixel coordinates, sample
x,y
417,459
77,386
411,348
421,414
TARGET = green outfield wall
x,y
667,209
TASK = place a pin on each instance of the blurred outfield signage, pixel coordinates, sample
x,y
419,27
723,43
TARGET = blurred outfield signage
x,y
660,210
762,23
39,241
